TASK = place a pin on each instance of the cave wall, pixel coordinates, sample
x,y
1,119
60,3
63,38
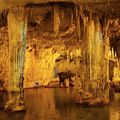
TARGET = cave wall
x,y
48,41
42,58
43,49
4,59
45,59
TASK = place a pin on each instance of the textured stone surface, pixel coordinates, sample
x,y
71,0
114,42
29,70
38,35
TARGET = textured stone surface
x,y
45,59
4,56
42,58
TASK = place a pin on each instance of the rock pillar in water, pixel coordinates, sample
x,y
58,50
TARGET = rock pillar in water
x,y
93,86
17,28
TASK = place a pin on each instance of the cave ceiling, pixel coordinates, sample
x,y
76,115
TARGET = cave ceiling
x,y
6,3
107,8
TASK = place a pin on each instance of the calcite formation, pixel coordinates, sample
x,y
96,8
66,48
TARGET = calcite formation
x,y
42,58
51,44
45,59
4,55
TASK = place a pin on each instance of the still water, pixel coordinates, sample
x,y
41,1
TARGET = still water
x,y
59,104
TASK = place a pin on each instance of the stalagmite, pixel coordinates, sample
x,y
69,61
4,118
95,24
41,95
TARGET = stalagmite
x,y
17,27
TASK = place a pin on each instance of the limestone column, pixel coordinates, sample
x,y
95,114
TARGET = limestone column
x,y
17,30
94,86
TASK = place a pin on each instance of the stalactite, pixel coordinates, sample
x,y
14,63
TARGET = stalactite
x,y
84,20
98,50
90,45
56,18
71,17
106,49
78,22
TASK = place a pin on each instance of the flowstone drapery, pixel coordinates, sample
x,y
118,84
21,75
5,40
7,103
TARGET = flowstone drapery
x,y
93,87
17,28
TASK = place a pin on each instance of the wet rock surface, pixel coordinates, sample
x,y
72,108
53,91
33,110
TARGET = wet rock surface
x,y
115,85
1,85
43,56
87,98
4,56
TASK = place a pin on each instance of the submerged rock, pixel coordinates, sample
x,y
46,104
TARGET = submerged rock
x,y
87,98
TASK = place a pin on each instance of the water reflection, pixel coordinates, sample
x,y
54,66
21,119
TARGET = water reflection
x,y
114,108
41,104
59,104
11,116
